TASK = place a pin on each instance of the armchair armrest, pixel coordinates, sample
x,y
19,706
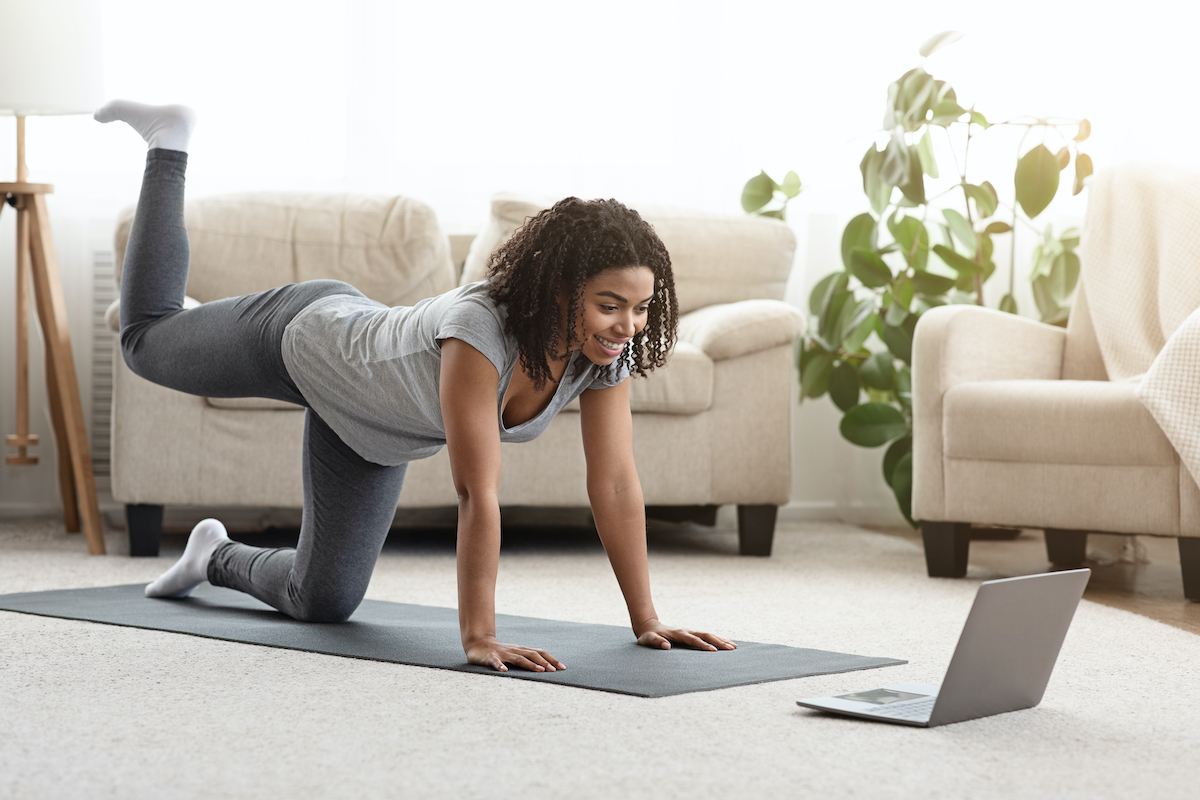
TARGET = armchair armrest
x,y
112,314
960,344
729,330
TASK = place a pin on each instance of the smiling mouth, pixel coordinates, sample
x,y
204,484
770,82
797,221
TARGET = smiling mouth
x,y
611,346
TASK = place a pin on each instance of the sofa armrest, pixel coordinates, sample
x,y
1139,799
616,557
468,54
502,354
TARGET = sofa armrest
x,y
961,344
729,330
112,314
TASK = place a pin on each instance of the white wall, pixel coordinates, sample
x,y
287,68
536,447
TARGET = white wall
x,y
670,102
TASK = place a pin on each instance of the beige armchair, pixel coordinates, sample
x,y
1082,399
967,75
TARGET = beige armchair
x,y
711,428
1016,423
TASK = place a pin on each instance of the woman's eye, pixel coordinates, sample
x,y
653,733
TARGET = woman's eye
x,y
609,309
643,309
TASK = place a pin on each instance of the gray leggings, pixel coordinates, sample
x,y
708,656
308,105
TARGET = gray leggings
x,y
231,348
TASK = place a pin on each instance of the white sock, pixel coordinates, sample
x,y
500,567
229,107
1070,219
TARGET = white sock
x,y
192,569
165,127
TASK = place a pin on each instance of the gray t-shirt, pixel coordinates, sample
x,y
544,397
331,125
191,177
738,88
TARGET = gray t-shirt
x,y
372,372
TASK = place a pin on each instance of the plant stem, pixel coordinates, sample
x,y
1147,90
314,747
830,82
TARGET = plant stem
x,y
971,220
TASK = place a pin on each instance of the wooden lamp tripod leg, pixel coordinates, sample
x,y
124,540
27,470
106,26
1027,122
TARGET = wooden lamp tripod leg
x,y
60,377
22,438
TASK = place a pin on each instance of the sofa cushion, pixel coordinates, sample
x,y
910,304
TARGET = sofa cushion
x,y
1052,422
389,248
716,258
730,330
683,386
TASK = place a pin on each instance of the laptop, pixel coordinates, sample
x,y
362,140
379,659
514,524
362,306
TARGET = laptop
x,y
1002,663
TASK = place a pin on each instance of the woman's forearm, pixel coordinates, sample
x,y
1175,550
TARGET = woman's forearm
x,y
478,561
620,515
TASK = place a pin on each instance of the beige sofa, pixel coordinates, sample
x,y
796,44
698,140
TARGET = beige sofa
x,y
1016,423
711,428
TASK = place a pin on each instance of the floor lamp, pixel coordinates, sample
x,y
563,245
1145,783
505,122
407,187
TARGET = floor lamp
x,y
49,64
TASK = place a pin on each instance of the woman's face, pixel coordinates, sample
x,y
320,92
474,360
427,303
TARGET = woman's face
x,y
615,307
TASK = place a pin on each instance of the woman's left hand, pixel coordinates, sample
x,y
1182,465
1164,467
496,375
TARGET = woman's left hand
x,y
653,633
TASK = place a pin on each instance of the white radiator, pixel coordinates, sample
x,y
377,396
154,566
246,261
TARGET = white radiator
x,y
104,292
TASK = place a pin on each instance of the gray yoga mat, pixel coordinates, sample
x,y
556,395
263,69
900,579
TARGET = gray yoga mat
x,y
602,657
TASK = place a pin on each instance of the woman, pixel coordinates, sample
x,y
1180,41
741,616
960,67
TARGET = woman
x,y
580,297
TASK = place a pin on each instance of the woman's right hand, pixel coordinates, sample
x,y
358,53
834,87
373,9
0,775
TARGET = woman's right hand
x,y
497,655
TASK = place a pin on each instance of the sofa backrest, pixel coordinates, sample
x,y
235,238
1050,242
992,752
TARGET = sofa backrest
x,y
390,248
716,258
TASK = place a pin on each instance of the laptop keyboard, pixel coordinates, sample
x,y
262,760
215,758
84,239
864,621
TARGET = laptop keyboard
x,y
916,710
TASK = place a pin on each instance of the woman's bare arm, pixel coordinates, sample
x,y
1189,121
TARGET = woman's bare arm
x,y
469,385
615,494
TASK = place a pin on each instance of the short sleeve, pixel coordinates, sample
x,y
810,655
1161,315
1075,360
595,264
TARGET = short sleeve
x,y
475,320
607,377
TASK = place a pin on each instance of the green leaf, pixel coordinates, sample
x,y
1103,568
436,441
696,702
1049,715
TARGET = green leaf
x,y
873,424
896,451
758,191
894,170
962,264
1008,304
904,230
1064,275
997,227
929,283
961,229
859,232
878,371
985,198
902,486
853,340
1085,130
790,185
979,119
896,313
904,386
814,379
869,268
854,316
773,214
925,153
830,314
947,113
914,186
843,386
877,190
1036,180
1043,297
819,295
899,339
938,41
1064,157
923,304
1083,168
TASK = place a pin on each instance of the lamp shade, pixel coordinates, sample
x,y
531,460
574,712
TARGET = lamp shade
x,y
50,57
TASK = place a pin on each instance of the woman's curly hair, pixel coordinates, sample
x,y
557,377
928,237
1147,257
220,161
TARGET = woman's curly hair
x,y
554,254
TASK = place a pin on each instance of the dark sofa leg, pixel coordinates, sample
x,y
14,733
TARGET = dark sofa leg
x,y
144,523
1189,563
946,547
756,529
1066,548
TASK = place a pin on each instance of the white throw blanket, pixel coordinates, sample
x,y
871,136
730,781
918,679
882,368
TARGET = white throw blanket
x,y
1141,264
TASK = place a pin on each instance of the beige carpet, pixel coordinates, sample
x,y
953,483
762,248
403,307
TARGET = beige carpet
x,y
96,711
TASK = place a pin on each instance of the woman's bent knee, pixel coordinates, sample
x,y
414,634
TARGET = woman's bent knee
x,y
326,609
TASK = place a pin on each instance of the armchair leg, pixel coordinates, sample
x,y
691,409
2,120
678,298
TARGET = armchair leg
x,y
1066,548
946,547
756,529
144,523
1189,562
